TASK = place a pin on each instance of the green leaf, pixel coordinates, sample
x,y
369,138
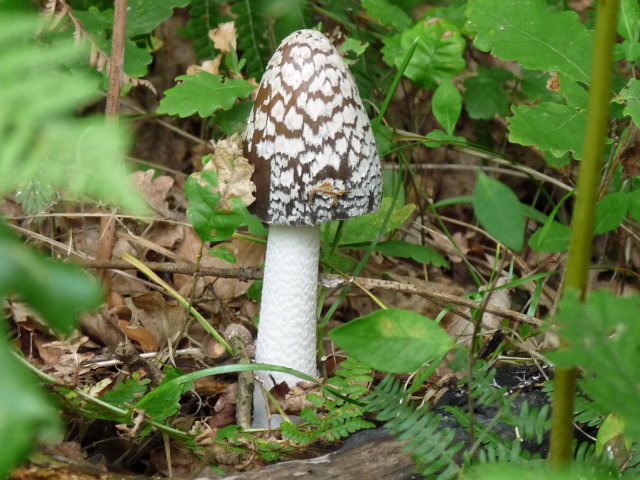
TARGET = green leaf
x,y
365,227
438,138
549,126
611,212
437,58
499,211
59,291
252,23
233,120
630,95
610,433
551,238
145,15
394,340
26,418
39,134
211,223
164,401
603,337
203,94
224,254
419,253
629,29
36,196
447,105
634,205
529,32
484,94
388,14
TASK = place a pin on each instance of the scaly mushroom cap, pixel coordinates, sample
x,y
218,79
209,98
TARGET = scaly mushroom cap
x,y
310,139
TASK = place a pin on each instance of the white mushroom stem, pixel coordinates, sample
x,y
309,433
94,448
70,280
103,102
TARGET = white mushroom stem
x,y
287,330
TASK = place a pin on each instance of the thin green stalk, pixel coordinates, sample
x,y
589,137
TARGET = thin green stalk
x,y
583,216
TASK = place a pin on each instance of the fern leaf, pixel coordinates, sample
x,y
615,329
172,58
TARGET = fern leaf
x,y
40,137
251,25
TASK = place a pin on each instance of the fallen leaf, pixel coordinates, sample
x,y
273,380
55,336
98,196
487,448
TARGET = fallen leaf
x,y
224,37
164,320
154,190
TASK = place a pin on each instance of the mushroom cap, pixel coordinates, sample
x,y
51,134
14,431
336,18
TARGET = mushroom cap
x,y
310,139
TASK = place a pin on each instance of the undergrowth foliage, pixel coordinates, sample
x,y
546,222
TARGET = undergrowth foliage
x,y
404,55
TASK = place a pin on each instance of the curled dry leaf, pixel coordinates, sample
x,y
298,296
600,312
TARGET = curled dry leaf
x,y
162,319
155,190
224,37
234,172
210,66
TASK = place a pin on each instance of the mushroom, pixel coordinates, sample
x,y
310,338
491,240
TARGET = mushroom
x,y
310,141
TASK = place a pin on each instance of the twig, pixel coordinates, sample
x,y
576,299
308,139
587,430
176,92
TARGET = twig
x,y
108,224
330,280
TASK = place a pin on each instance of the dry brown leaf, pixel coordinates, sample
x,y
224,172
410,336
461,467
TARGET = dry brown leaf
x,y
154,190
211,66
140,335
248,254
225,408
224,37
234,172
162,319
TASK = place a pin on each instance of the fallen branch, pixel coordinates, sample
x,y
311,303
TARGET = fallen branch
x,y
327,280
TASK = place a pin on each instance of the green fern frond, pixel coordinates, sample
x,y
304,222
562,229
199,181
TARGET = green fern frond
x,y
339,418
203,17
252,27
39,92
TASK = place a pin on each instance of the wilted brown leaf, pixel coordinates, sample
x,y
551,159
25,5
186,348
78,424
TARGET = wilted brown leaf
x,y
154,190
224,37
234,172
162,319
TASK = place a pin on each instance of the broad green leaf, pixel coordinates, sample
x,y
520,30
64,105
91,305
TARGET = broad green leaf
x,y
549,126
393,340
419,253
224,254
438,138
611,436
484,94
233,120
551,238
529,32
210,222
59,291
389,15
26,417
630,95
629,29
447,105
203,94
354,46
610,212
533,84
499,211
145,15
164,400
634,205
365,227
438,56
603,338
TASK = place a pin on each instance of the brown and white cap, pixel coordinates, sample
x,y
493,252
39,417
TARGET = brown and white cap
x,y
309,138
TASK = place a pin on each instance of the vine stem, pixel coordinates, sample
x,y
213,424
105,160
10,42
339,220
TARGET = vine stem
x,y
582,224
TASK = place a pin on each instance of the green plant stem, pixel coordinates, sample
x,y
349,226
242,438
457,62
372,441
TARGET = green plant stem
x,y
583,216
